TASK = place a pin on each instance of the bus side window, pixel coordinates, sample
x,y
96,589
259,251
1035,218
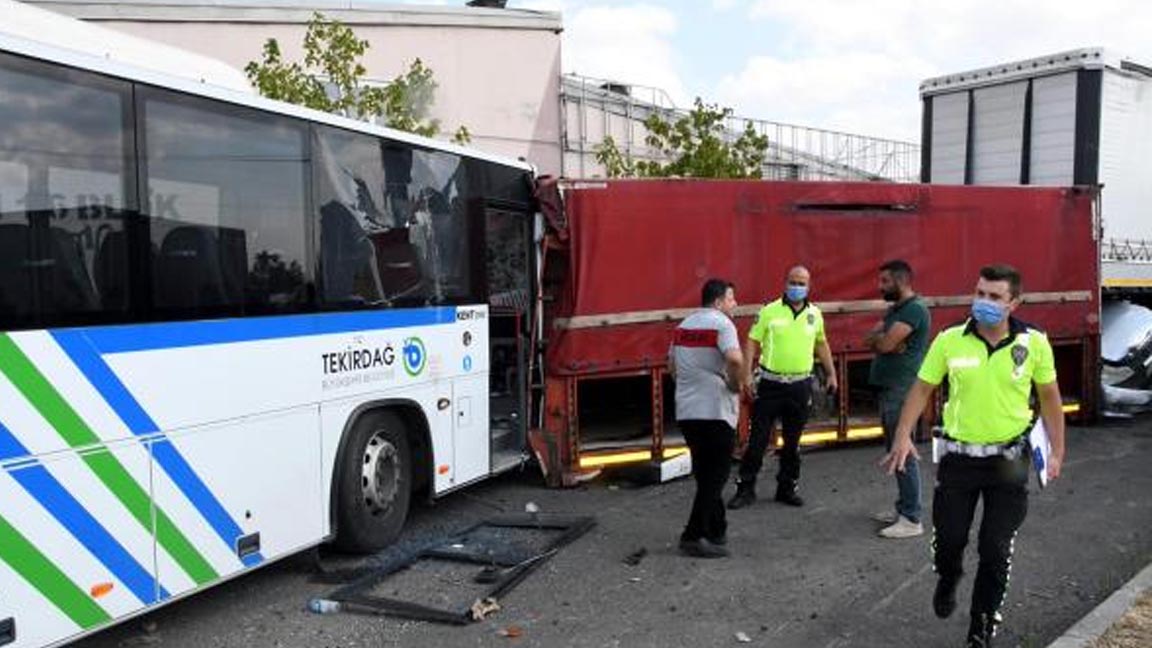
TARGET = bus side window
x,y
227,191
64,186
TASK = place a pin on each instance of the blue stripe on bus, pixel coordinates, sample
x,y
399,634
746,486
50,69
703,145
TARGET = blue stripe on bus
x,y
146,337
41,485
86,346
76,345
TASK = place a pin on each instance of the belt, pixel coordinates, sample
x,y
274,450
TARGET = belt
x,y
764,374
1011,450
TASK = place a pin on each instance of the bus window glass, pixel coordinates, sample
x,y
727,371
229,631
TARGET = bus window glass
x,y
391,223
226,200
62,196
439,222
358,250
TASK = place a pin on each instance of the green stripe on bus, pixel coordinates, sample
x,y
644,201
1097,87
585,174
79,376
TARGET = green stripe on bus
x,y
68,424
47,578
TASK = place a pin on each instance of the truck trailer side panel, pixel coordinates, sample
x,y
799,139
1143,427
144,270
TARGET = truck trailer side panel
x,y
631,256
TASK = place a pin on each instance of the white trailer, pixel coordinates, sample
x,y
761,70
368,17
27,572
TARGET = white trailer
x,y
1081,117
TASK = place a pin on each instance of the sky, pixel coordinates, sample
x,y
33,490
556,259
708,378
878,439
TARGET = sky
x,y
833,64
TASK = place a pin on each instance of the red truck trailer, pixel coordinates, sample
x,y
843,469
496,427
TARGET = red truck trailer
x,y
624,261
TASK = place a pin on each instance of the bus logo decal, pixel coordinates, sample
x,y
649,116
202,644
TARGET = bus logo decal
x,y
415,356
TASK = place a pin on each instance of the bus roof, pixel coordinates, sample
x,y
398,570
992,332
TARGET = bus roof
x,y
50,28
43,35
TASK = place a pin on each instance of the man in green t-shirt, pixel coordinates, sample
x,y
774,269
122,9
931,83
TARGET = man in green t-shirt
x,y
899,341
993,362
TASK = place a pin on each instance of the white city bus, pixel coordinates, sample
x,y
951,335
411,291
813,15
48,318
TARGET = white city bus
x,y
232,329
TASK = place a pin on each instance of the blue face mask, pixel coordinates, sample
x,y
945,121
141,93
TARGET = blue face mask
x,y
796,293
987,312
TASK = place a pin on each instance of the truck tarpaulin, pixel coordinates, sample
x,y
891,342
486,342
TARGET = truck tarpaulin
x,y
640,251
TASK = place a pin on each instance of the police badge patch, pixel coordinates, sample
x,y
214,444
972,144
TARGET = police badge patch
x,y
1019,355
811,319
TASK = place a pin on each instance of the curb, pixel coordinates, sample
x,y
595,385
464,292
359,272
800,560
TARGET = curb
x,y
1097,622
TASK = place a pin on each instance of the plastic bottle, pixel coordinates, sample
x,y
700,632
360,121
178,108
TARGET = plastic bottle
x,y
323,606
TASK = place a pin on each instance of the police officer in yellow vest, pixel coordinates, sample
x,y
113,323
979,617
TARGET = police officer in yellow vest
x,y
992,363
787,334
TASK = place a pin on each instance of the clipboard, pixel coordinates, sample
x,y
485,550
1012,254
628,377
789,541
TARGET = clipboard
x,y
1040,449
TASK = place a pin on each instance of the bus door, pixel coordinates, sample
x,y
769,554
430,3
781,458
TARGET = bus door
x,y
508,259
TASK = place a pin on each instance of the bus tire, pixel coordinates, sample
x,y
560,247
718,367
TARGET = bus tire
x,y
375,487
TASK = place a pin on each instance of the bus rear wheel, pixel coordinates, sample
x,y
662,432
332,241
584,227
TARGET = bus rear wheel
x,y
375,487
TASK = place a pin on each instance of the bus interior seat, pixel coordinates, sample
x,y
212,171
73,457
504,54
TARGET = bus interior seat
x,y
55,268
16,270
398,260
234,262
110,270
70,285
188,270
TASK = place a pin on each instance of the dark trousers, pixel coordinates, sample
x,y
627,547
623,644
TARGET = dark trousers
x,y
788,402
711,443
960,482
907,480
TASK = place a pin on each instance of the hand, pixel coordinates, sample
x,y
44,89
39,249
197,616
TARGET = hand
x,y
901,450
877,329
1054,465
735,387
830,384
749,390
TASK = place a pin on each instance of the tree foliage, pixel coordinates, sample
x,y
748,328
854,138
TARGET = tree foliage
x,y
331,79
696,145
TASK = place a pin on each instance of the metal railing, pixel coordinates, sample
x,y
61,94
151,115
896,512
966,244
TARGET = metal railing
x,y
1127,250
595,108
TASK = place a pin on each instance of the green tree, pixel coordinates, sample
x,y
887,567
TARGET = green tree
x,y
332,54
696,145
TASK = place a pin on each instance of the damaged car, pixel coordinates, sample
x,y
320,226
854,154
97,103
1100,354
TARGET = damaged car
x,y
1126,354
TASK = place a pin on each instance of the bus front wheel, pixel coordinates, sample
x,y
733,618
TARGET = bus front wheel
x,y
375,486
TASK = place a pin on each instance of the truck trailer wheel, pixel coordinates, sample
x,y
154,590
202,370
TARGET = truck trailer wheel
x,y
375,484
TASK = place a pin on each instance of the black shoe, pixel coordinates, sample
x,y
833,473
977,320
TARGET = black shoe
x,y
944,600
788,496
702,549
742,498
981,629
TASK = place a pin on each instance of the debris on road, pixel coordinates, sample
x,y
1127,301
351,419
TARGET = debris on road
x,y
511,632
483,607
440,583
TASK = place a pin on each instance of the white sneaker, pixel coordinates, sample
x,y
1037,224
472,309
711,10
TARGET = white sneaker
x,y
902,528
887,517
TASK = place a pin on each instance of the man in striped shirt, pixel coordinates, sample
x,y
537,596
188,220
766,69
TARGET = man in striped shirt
x,y
706,361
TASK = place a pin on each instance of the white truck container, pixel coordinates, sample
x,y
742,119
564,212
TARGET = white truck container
x,y
1080,117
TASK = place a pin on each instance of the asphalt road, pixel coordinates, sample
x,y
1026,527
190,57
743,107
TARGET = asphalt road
x,y
816,576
